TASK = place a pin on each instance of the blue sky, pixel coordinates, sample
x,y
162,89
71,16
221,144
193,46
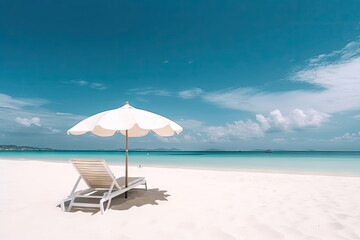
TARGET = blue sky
x,y
237,75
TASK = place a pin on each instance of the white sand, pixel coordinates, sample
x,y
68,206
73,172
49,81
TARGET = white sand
x,y
181,204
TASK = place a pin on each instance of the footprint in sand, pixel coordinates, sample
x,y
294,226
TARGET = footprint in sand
x,y
341,216
336,225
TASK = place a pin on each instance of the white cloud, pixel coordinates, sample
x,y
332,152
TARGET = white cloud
x,y
173,139
336,76
99,86
275,121
28,121
150,91
237,129
7,101
52,130
336,80
191,93
185,94
278,140
82,83
182,138
189,138
296,120
308,119
351,50
30,112
190,124
347,137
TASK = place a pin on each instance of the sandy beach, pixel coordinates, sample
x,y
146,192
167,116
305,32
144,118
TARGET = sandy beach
x,y
181,204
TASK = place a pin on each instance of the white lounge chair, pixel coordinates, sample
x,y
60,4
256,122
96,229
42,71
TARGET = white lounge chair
x,y
98,176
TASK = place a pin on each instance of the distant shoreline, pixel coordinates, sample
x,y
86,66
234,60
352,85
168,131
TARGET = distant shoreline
x,y
220,151
14,148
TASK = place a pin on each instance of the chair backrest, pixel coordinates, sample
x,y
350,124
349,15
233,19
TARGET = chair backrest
x,y
95,173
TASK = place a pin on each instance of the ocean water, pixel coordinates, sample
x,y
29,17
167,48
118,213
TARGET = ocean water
x,y
334,163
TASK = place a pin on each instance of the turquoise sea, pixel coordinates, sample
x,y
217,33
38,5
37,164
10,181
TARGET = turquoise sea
x,y
331,162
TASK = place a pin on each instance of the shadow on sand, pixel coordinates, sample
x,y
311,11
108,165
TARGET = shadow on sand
x,y
135,198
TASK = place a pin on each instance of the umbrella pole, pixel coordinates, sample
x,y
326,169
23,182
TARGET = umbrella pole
x,y
126,160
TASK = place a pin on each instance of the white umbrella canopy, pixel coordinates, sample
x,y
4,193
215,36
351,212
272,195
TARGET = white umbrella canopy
x,y
129,121
138,123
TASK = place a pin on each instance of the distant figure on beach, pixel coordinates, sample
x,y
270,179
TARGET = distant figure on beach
x,y
140,166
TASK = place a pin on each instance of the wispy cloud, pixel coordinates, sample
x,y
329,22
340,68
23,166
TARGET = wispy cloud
x,y
94,85
236,130
190,123
278,140
275,121
347,137
52,130
7,101
336,80
350,51
99,86
185,94
173,139
183,138
151,91
28,121
30,116
80,82
337,74
191,93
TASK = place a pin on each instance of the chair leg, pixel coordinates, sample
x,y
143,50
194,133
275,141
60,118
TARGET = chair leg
x,y
71,202
69,197
108,205
62,204
102,203
102,206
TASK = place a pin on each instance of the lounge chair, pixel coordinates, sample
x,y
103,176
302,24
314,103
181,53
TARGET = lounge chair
x,y
98,176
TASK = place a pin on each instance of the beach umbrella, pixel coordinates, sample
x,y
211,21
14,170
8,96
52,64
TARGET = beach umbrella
x,y
129,121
